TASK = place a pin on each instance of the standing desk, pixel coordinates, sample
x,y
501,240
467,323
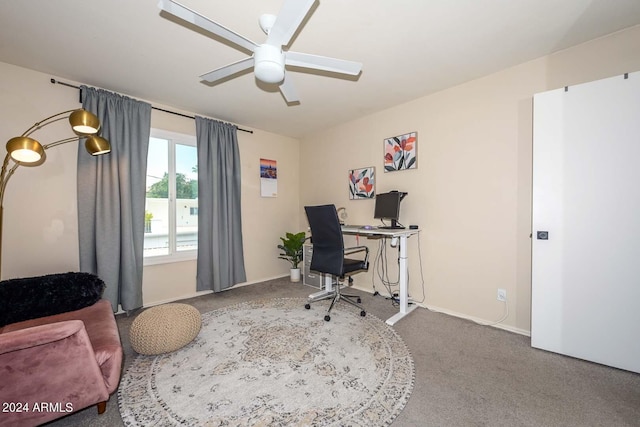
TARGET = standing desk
x,y
402,234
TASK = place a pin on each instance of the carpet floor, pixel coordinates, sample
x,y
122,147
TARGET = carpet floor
x,y
465,374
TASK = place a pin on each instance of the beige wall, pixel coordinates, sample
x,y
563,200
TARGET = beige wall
x,y
40,219
471,192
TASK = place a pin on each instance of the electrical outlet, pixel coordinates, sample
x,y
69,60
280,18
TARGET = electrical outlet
x,y
502,294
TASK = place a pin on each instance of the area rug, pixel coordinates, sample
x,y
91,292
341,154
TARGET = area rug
x,y
273,363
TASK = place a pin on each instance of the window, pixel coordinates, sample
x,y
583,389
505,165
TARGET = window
x,y
171,207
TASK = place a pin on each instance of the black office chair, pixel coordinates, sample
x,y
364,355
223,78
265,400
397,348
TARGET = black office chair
x,y
329,255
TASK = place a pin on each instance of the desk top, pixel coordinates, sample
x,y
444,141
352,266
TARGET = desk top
x,y
378,231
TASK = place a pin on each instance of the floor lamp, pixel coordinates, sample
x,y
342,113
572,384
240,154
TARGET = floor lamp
x,y
23,150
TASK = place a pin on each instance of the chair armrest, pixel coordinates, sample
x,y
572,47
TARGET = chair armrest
x,y
50,363
356,249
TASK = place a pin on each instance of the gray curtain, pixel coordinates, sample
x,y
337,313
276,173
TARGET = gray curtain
x,y
220,252
111,196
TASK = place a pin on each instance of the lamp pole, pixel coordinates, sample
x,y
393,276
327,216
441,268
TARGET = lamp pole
x,y
4,177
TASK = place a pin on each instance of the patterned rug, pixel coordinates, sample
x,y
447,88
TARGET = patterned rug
x,y
273,363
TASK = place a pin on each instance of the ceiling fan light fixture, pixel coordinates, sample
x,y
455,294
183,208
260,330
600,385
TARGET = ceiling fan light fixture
x,y
269,64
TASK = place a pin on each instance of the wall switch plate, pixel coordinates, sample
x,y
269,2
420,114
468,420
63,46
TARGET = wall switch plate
x,y
502,294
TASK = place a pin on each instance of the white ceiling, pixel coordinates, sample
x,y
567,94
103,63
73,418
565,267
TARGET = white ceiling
x,y
409,48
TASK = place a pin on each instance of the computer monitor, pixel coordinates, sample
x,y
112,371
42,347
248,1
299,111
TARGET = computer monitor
x,y
388,207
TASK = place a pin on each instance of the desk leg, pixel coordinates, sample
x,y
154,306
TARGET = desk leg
x,y
404,284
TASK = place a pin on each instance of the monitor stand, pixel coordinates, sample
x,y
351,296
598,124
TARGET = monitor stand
x,y
394,226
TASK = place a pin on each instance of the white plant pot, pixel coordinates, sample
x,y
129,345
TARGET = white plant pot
x,y
295,274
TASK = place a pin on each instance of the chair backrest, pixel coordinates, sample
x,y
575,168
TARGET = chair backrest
x,y
326,236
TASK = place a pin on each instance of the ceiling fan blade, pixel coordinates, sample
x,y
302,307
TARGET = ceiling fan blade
x,y
205,23
289,19
288,90
228,70
324,63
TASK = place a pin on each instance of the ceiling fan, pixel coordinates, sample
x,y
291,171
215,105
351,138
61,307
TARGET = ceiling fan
x,y
268,59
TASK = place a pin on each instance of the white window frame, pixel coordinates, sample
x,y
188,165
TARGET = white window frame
x,y
173,139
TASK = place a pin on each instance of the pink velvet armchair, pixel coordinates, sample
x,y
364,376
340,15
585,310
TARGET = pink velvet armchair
x,y
54,365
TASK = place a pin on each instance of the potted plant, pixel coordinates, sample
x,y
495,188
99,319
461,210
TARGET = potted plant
x,y
291,248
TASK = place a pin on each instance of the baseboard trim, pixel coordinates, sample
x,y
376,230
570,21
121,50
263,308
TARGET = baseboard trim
x,y
200,293
477,320
180,298
253,282
425,306
464,316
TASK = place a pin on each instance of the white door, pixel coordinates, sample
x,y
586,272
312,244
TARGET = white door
x,y
586,222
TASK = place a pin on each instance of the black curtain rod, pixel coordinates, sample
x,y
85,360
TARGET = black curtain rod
x,y
54,81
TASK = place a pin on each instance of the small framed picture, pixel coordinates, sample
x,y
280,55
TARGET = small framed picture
x,y
400,152
268,178
362,183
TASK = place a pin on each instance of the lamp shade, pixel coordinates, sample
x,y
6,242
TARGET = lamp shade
x,y
84,123
24,149
97,145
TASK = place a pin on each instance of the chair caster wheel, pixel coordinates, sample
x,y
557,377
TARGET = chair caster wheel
x,y
327,318
363,313
307,306
359,300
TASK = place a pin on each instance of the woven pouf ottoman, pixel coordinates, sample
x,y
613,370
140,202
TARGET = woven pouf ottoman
x,y
164,328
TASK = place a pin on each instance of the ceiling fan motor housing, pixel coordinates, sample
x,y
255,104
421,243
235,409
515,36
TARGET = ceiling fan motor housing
x,y
269,63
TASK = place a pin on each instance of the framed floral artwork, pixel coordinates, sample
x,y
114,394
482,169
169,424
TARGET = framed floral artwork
x,y
362,183
400,152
